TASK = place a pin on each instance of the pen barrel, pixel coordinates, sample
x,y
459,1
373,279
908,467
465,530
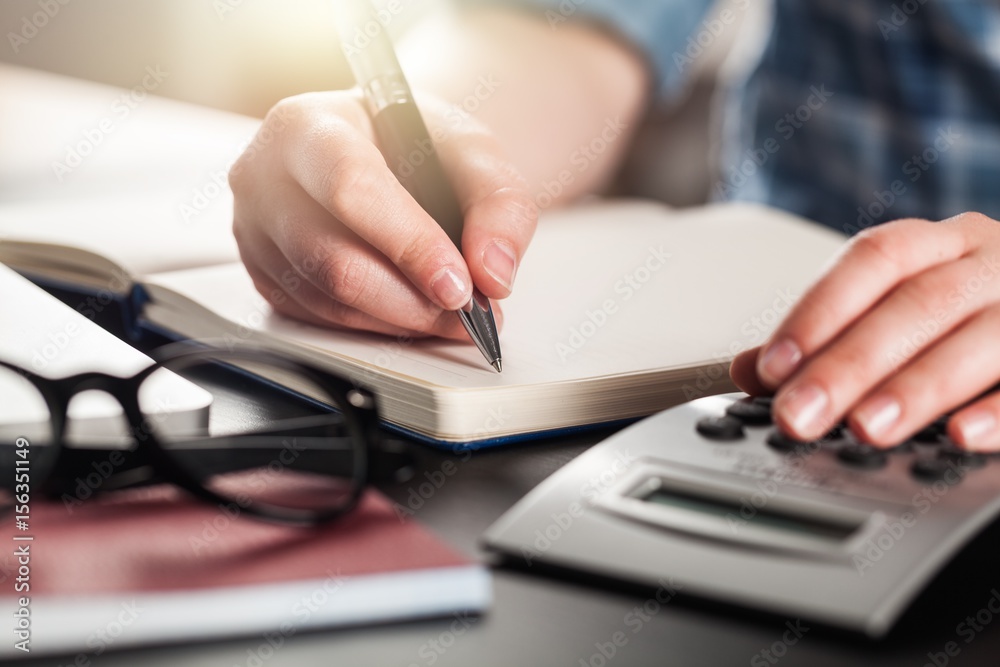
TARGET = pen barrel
x,y
411,155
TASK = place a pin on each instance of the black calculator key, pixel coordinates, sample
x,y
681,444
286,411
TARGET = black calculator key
x,y
720,428
962,458
862,455
835,433
936,470
749,412
763,401
929,435
905,447
784,443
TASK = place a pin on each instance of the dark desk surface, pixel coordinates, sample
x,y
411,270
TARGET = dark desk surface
x,y
541,620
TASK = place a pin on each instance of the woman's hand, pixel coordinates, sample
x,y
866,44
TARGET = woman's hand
x,y
903,328
329,235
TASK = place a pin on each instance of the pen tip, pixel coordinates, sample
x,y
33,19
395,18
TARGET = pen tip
x,y
497,365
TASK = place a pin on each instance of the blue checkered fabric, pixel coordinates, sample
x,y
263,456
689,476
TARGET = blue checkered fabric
x,y
856,111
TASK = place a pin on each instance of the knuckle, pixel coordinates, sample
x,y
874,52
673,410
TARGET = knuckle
x,y
973,218
422,251
344,277
352,184
878,241
522,207
920,293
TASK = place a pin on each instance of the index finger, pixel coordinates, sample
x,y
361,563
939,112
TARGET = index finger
x,y
875,262
339,167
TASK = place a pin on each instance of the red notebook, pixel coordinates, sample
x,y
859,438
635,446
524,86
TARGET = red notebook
x,y
153,566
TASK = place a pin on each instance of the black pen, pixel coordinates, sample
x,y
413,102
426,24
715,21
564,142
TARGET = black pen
x,y
401,133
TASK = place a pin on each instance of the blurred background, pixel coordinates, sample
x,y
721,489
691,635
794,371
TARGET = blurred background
x,y
245,55
239,55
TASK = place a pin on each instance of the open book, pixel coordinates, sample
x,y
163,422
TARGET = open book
x,y
621,308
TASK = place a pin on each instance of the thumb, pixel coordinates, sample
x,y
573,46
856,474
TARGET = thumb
x,y
500,215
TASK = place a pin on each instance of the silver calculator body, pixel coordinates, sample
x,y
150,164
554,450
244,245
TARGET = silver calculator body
x,y
832,531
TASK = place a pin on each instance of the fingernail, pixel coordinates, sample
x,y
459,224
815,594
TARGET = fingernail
x,y
450,289
779,362
803,407
878,415
501,263
976,427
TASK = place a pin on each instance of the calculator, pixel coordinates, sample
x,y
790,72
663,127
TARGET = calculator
x,y
711,496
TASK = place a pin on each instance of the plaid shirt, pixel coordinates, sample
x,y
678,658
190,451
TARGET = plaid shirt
x,y
856,111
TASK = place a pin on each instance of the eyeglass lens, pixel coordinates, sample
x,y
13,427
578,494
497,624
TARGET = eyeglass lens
x,y
285,450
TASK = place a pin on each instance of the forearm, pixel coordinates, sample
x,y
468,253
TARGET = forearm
x,y
562,101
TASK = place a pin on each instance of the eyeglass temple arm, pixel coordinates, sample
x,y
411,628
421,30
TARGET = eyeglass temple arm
x,y
85,470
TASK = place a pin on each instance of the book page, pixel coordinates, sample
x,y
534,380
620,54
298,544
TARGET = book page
x,y
136,178
607,289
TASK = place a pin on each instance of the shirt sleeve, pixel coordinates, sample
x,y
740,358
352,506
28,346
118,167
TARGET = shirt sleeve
x,y
658,29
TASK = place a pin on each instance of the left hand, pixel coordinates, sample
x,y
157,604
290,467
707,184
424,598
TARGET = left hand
x,y
903,328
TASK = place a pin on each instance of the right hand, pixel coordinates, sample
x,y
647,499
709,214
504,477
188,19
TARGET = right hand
x,y
329,236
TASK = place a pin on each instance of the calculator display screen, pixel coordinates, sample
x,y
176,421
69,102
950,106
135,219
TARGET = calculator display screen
x,y
742,514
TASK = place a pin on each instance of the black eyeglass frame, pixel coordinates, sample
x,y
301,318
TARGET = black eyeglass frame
x,y
359,412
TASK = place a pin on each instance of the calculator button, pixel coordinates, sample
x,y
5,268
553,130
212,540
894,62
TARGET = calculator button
x,y
763,401
905,447
750,412
720,428
862,456
929,435
934,470
835,433
961,457
783,443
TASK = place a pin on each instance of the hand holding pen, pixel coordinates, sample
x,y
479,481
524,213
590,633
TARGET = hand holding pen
x,y
330,235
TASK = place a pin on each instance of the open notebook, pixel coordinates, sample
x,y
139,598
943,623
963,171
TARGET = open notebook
x,y
620,309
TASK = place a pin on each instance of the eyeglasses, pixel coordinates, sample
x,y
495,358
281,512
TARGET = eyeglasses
x,y
303,448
